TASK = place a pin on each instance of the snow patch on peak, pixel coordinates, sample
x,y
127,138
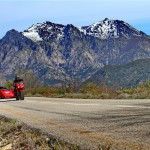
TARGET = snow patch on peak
x,y
82,30
32,33
34,36
102,29
110,29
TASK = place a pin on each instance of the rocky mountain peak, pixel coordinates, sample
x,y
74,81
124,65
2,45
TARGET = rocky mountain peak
x,y
13,36
48,31
44,31
111,29
12,32
104,29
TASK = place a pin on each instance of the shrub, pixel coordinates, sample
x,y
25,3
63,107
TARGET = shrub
x,y
99,91
43,91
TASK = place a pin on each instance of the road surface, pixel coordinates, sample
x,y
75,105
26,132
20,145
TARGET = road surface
x,y
124,124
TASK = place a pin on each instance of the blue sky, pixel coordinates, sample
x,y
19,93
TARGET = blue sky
x,y
21,14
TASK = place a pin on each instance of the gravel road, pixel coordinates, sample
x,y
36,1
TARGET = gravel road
x,y
123,124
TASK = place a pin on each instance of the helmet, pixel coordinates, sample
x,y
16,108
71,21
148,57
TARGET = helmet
x,y
17,77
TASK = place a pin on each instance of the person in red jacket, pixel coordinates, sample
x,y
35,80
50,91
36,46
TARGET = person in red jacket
x,y
17,80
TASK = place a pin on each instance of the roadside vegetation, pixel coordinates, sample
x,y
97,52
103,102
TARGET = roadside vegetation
x,y
75,89
142,91
15,136
91,91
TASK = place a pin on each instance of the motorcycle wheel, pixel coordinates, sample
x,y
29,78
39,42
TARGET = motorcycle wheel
x,y
22,96
17,97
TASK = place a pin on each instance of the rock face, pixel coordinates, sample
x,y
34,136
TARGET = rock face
x,y
58,52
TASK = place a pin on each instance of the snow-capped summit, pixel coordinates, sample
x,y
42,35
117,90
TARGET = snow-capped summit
x,y
104,29
44,31
110,29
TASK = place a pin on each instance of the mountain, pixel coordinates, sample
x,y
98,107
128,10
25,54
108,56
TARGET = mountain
x,y
45,31
57,52
103,29
111,29
125,76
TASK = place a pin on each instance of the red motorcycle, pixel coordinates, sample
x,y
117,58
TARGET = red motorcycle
x,y
19,90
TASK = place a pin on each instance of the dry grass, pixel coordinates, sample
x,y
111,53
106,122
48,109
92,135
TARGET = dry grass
x,y
89,91
14,136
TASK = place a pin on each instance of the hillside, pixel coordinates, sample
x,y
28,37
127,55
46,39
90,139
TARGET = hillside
x,y
128,75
